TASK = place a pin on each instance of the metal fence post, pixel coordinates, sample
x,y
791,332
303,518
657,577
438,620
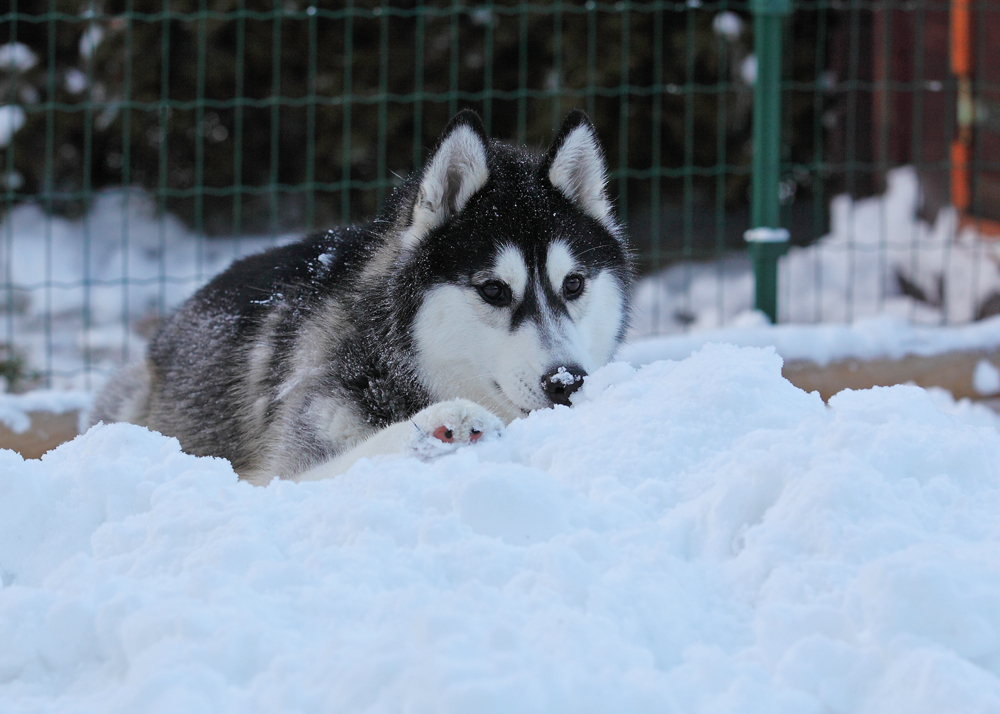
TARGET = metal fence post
x,y
768,241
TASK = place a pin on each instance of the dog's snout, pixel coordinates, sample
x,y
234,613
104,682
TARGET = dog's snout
x,y
561,382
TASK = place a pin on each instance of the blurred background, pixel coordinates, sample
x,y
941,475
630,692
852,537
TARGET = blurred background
x,y
144,145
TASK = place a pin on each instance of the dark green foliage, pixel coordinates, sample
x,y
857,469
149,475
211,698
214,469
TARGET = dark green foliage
x,y
255,116
13,370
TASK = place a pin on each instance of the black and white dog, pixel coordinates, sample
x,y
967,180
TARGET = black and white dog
x,y
490,284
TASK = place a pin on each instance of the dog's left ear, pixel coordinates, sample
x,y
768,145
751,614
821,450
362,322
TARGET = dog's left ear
x,y
576,167
455,172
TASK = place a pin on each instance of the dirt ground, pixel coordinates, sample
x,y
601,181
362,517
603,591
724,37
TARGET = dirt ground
x,y
953,371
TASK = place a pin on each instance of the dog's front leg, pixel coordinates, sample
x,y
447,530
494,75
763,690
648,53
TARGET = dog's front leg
x,y
439,429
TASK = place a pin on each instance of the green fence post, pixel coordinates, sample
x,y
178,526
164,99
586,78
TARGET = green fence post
x,y
768,241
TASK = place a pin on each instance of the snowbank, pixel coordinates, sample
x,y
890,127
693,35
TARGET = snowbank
x,y
692,536
83,293
871,338
15,409
847,275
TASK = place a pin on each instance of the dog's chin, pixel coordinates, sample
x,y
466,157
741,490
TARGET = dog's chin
x,y
513,409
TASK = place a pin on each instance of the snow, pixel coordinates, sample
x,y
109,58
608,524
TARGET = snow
x,y
75,81
986,378
846,276
690,536
17,56
562,376
15,409
866,339
139,264
12,118
90,39
727,24
767,235
12,180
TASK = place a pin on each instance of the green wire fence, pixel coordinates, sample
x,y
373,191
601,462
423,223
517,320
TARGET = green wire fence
x,y
143,144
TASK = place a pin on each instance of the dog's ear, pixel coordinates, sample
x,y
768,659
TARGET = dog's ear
x,y
455,172
576,167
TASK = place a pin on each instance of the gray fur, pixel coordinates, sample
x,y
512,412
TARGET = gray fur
x,y
299,354
125,398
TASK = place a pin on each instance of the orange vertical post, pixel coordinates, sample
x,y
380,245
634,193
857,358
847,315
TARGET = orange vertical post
x,y
961,67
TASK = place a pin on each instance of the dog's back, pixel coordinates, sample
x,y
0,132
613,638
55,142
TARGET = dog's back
x,y
219,374
494,275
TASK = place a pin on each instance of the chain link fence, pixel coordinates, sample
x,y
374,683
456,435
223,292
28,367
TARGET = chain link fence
x,y
143,145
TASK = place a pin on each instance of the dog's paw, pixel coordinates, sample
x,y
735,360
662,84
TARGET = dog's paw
x,y
442,427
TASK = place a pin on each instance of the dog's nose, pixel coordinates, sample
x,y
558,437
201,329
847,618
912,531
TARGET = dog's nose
x,y
561,382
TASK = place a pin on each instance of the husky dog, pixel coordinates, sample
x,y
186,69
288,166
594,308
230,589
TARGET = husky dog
x,y
490,284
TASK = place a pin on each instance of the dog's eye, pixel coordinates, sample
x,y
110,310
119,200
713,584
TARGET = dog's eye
x,y
495,293
573,286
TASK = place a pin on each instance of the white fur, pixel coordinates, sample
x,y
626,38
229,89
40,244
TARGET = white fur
x,y
509,267
598,315
337,422
465,346
466,351
558,264
456,172
415,437
260,359
578,171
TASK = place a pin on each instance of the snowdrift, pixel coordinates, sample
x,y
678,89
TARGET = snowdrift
x,y
693,536
85,293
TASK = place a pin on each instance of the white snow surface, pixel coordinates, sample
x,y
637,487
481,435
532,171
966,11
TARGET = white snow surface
x,y
986,378
15,409
693,536
870,338
12,118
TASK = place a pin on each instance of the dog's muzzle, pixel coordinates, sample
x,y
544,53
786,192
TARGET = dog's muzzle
x,y
562,382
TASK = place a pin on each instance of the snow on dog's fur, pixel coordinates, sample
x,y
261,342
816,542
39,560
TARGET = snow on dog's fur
x,y
489,285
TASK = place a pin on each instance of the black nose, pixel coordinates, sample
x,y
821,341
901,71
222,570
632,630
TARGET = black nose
x,y
561,382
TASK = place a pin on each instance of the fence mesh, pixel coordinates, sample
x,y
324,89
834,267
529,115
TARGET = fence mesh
x,y
145,144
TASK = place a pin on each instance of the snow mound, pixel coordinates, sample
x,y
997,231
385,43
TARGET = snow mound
x,y
691,536
15,409
867,339
856,271
82,293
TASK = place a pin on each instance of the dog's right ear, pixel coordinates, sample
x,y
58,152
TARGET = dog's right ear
x,y
455,172
576,167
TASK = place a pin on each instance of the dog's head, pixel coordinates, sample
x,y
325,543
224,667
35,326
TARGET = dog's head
x,y
516,266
